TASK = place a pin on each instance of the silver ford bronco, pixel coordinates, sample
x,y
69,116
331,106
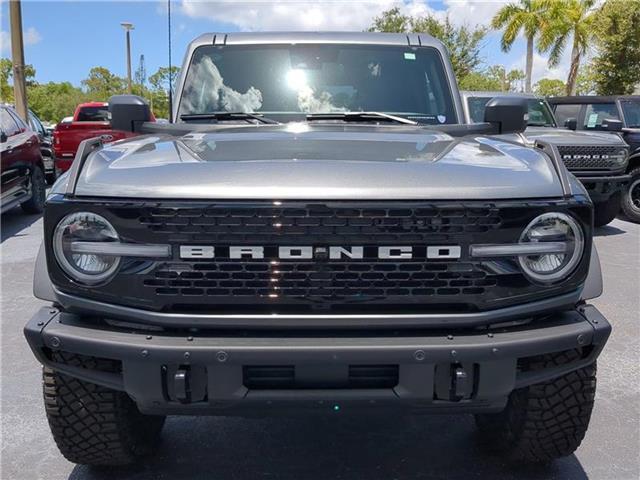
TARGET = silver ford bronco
x,y
317,231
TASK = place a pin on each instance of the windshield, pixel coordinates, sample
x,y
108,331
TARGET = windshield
x,y
631,112
304,79
539,112
93,114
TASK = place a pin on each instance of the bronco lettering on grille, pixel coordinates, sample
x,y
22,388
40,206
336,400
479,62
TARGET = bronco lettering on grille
x,y
393,252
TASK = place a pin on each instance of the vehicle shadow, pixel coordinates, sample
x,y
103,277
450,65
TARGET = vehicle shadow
x,y
327,447
15,221
608,231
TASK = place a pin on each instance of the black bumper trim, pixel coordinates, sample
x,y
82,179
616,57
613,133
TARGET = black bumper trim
x,y
493,355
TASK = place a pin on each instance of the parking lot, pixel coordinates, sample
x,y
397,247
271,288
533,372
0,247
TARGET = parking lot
x,y
327,447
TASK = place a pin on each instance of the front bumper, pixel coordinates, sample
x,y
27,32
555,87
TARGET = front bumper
x,y
181,373
602,187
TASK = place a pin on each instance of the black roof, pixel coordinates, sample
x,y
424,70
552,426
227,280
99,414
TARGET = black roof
x,y
591,99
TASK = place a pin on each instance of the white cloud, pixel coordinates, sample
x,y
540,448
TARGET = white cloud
x,y
541,68
5,42
32,36
472,12
258,15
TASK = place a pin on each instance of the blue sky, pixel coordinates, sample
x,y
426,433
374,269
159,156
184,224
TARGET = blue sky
x,y
64,39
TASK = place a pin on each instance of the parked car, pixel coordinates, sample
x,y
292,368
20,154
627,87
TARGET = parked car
x,y
597,159
46,147
22,173
319,231
608,114
89,120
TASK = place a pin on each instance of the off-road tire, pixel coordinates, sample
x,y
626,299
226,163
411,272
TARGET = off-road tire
x,y
38,192
631,209
94,425
544,421
605,212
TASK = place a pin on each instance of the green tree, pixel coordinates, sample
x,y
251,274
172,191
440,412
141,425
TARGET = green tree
x,y
6,73
586,81
53,101
159,92
463,43
528,16
102,84
616,67
480,81
495,79
569,19
392,21
549,87
510,81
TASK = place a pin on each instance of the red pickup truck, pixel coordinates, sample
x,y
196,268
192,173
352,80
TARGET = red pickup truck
x,y
89,120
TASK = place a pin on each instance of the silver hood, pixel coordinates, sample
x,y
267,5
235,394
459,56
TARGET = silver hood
x,y
302,161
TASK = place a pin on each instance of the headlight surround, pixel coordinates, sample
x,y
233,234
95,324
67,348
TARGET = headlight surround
x,y
87,268
552,267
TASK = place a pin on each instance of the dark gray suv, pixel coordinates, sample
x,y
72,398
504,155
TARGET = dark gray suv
x,y
598,159
318,231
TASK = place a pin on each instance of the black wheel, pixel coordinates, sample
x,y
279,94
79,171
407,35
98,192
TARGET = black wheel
x,y
545,421
94,425
605,212
38,192
631,198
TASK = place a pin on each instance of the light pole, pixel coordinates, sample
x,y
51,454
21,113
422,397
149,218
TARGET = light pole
x,y
17,57
127,28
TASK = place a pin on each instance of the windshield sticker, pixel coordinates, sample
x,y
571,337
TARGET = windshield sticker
x,y
593,120
442,118
409,56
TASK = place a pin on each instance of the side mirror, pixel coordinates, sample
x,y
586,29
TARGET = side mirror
x,y
3,137
571,123
507,114
612,125
128,112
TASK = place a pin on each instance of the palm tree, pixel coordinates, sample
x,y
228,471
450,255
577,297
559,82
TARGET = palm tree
x,y
528,16
568,19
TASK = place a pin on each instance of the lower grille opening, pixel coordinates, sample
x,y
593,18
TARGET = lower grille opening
x,y
86,362
555,359
290,377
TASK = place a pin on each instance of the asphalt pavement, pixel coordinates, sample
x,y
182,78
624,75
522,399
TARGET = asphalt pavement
x,y
332,447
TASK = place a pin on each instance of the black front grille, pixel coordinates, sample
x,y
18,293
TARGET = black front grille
x,y
367,285
317,280
220,224
319,283
584,157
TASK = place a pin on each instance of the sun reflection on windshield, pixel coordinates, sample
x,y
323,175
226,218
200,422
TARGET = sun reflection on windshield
x,y
296,79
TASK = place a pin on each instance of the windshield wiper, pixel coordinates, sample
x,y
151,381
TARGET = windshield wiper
x,y
360,117
222,116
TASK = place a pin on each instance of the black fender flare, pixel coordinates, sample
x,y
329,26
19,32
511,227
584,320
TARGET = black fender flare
x,y
42,286
593,283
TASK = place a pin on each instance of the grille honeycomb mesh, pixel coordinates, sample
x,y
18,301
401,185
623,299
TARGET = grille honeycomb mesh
x,y
592,159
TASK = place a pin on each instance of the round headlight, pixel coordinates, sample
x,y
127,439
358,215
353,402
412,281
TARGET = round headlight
x,y
557,228
620,157
88,268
